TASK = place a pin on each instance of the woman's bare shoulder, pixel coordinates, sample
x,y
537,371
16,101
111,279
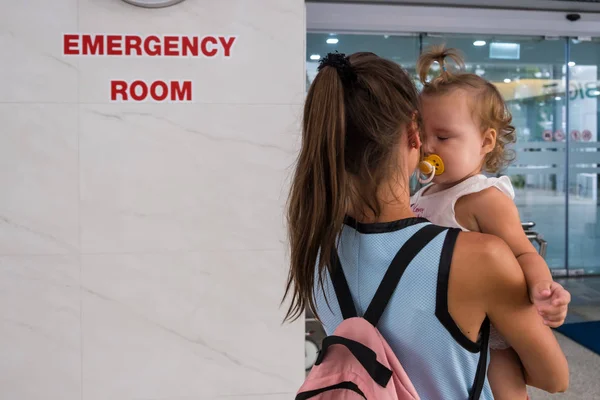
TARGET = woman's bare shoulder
x,y
484,263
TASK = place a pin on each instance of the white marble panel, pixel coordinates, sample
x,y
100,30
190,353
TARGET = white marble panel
x,y
195,325
40,335
31,37
39,179
267,57
185,177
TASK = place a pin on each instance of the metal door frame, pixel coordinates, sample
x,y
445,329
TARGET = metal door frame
x,y
398,19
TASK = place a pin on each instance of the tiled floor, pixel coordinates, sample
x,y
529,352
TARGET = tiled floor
x,y
585,299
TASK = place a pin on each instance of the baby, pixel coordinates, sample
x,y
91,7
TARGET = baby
x,y
466,127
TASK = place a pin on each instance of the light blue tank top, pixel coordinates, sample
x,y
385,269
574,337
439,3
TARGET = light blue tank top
x,y
442,363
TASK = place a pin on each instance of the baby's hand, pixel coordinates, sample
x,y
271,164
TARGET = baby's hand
x,y
551,301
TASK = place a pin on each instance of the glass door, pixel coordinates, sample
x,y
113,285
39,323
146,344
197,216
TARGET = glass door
x,y
584,157
557,129
530,73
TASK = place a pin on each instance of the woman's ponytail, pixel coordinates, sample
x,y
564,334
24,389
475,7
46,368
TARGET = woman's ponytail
x,y
355,114
317,201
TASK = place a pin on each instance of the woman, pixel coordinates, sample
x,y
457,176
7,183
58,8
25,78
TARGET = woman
x,y
349,201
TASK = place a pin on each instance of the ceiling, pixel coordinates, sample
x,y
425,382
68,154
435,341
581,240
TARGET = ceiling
x,y
592,6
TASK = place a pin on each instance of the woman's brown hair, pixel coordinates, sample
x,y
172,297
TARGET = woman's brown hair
x,y
488,102
355,112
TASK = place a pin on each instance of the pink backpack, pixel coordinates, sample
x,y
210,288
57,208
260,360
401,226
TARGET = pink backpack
x,y
356,362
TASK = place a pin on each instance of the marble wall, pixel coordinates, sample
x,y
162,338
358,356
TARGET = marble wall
x,y
142,250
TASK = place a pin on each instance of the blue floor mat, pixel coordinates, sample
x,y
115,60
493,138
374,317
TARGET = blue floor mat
x,y
586,334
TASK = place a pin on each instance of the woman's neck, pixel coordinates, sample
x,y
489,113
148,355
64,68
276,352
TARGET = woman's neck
x,y
394,205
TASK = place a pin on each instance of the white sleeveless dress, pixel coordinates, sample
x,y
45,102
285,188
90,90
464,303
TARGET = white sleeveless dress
x,y
439,209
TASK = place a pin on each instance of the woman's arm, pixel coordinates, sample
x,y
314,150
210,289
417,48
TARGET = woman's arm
x,y
513,315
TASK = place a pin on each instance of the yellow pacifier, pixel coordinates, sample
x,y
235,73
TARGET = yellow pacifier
x,y
430,166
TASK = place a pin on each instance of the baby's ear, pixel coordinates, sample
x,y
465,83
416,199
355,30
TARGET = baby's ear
x,y
489,141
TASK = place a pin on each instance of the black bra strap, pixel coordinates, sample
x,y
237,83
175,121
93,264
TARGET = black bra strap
x,y
481,373
405,255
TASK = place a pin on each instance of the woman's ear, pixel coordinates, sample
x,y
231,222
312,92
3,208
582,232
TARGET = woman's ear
x,y
489,141
414,135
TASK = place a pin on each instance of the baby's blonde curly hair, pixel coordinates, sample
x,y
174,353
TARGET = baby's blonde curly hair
x,y
488,102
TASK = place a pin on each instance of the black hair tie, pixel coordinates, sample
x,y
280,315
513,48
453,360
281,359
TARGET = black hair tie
x,y
341,63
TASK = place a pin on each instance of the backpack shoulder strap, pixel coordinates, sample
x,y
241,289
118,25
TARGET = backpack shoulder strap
x,y
405,255
340,286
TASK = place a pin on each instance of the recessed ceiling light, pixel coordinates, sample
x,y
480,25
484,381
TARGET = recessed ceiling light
x,y
479,43
572,63
315,57
333,40
507,80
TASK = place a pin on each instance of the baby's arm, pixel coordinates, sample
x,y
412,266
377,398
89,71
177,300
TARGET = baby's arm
x,y
495,213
